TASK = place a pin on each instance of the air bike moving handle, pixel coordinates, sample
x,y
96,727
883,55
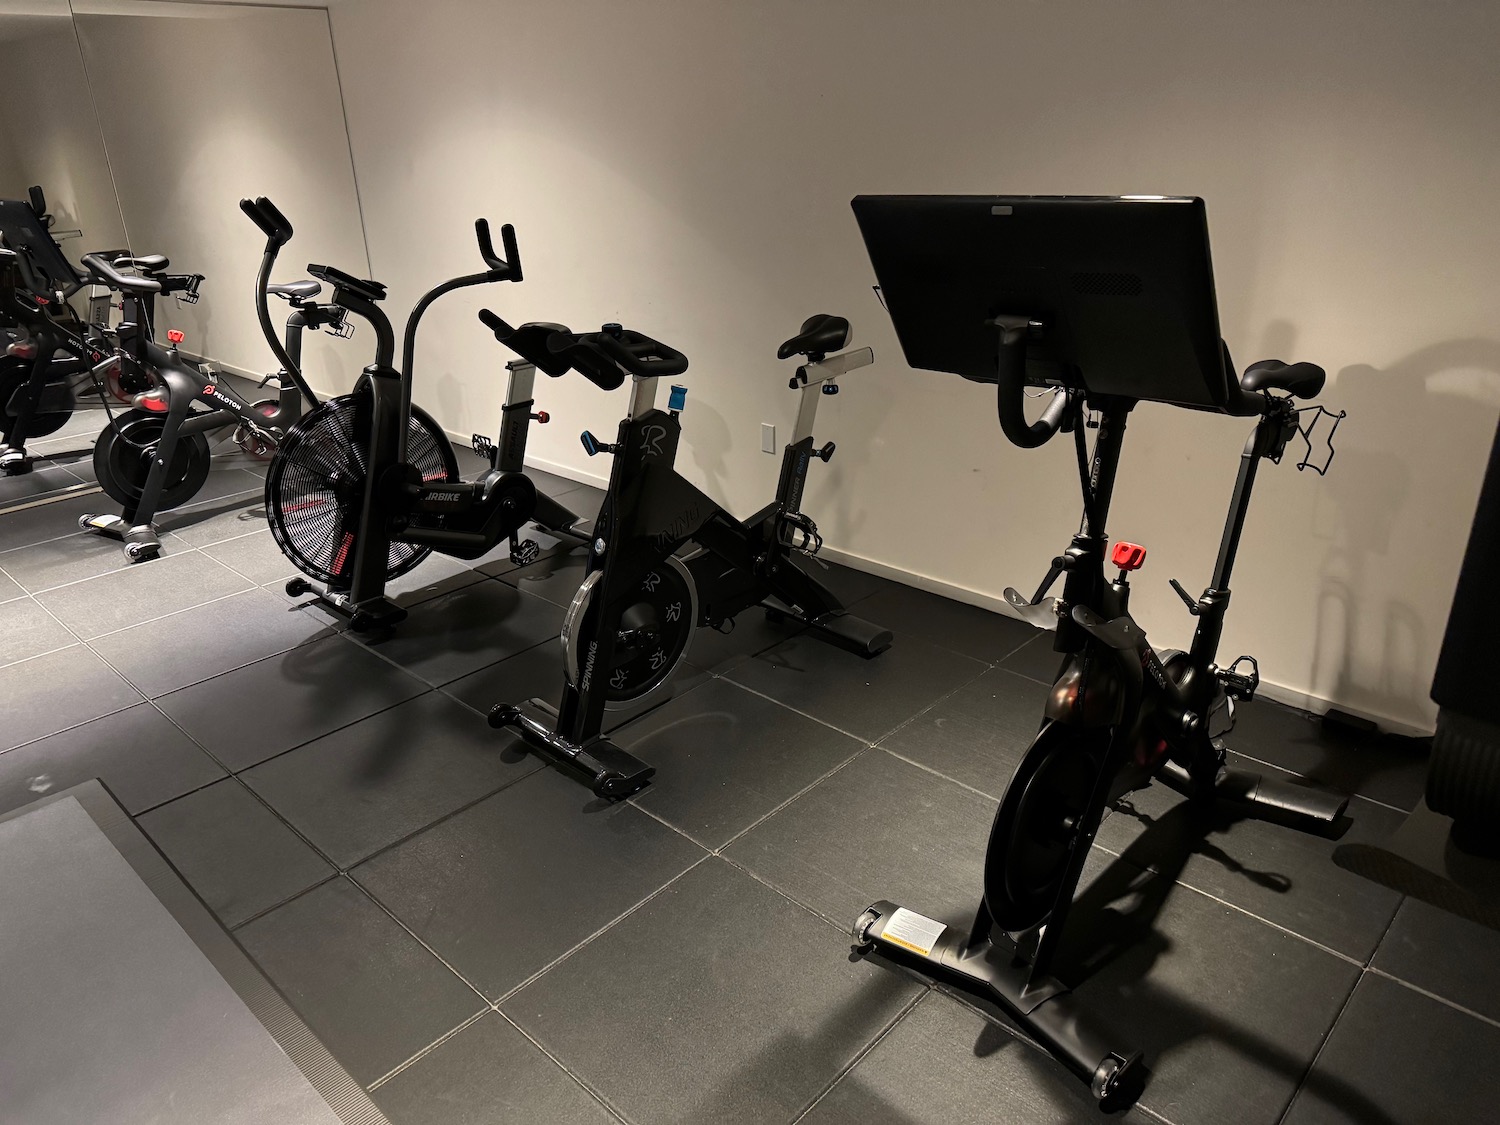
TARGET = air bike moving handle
x,y
367,484
665,558
1109,302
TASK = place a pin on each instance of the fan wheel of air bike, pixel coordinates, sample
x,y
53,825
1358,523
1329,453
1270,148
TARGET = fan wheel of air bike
x,y
655,629
1038,823
122,460
316,484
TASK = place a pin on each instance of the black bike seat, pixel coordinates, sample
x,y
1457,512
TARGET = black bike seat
x,y
820,335
296,290
1301,380
369,290
146,263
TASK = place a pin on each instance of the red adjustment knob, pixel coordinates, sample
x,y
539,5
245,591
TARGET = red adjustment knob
x,y
1128,556
175,335
542,417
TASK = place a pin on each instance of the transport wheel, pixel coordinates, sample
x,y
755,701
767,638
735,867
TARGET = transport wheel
x,y
655,630
122,459
1039,820
316,484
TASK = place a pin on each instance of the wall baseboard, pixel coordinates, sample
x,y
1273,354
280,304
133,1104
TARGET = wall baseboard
x,y
1280,693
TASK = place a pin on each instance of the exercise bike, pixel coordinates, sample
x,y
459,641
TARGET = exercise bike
x,y
1105,302
39,368
156,456
367,484
629,625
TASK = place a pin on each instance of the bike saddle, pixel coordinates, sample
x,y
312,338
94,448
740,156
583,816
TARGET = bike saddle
x,y
820,335
146,263
369,290
1301,380
296,290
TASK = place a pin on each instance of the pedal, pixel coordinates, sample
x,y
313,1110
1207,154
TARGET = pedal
x,y
14,462
524,552
1240,686
483,447
797,532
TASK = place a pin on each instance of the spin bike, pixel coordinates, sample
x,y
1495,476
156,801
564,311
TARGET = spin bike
x,y
156,456
366,485
970,287
630,623
40,364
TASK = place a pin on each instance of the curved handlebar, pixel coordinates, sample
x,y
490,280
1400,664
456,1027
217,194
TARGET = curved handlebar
x,y
102,268
633,353
1010,395
508,267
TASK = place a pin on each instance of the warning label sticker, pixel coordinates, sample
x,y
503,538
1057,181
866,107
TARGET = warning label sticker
x,y
913,931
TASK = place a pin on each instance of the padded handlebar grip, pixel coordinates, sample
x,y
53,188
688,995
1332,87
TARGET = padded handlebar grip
x,y
496,325
282,223
102,268
631,349
1010,395
258,217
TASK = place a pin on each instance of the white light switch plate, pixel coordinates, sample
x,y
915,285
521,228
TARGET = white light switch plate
x,y
767,438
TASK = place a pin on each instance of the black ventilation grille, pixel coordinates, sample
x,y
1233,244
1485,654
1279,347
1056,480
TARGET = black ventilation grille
x,y
1108,284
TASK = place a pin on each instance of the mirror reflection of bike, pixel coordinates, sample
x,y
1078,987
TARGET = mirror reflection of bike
x,y
1106,303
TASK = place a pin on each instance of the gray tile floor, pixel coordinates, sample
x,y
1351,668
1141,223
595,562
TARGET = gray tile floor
x,y
477,939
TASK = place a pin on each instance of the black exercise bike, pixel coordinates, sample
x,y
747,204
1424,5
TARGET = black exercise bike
x,y
629,625
981,297
156,456
366,485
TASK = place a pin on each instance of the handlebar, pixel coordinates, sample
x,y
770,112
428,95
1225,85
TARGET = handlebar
x,y
1010,395
634,353
102,268
509,267
268,217
530,343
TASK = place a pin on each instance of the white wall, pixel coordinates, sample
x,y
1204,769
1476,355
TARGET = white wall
x,y
51,127
201,106
686,168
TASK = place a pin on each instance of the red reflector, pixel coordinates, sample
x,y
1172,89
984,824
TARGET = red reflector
x,y
1128,556
175,335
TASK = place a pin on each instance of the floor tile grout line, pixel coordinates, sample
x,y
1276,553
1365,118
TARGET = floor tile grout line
x,y
166,616
937,773
597,1095
1236,908
862,1054
371,1087
602,930
108,714
1457,1007
725,677
1312,1064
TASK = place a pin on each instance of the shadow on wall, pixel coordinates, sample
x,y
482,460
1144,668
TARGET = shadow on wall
x,y
1403,421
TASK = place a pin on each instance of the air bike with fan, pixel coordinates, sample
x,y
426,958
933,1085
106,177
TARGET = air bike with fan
x,y
1102,303
366,485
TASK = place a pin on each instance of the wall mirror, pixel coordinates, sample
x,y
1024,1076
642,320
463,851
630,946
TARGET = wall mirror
x,y
145,122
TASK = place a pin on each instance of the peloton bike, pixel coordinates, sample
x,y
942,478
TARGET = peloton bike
x,y
366,485
156,456
642,597
1106,302
41,360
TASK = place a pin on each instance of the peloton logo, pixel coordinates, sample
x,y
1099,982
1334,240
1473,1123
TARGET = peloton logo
x,y
675,530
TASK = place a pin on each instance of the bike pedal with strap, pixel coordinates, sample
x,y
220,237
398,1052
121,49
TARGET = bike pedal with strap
x,y
524,552
1240,686
483,447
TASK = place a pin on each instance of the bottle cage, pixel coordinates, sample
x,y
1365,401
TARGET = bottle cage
x,y
1325,438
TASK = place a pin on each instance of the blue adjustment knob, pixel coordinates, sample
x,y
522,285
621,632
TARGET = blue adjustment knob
x,y
590,443
678,397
